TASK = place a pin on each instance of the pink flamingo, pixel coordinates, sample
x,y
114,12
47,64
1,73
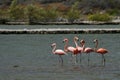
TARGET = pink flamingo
x,y
86,50
101,51
71,49
80,49
59,52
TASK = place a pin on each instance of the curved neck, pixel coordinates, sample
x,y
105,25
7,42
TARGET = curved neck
x,y
76,44
66,46
53,50
83,46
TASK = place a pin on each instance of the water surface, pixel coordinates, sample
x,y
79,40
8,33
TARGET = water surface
x,y
29,57
57,26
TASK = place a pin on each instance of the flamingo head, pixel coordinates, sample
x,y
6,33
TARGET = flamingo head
x,y
82,42
96,44
53,44
95,40
65,40
76,38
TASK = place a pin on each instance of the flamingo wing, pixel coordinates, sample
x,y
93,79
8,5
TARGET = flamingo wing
x,y
88,50
71,49
102,51
80,49
60,52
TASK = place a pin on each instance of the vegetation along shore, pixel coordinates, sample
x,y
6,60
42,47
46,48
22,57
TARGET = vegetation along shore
x,y
59,12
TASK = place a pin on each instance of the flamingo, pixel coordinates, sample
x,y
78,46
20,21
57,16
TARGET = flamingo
x,y
86,50
80,49
71,49
59,52
101,51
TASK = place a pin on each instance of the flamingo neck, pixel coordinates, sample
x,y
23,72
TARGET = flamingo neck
x,y
66,46
53,51
83,46
96,46
76,44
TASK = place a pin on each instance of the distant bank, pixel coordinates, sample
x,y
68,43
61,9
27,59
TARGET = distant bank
x,y
59,31
62,23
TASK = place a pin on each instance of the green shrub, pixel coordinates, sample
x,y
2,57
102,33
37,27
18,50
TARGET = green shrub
x,y
48,14
3,13
73,13
113,12
31,12
35,13
99,17
16,12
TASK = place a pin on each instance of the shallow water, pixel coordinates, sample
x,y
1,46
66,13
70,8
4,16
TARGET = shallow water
x,y
29,57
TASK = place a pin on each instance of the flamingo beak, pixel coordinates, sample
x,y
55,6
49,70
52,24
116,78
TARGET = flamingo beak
x,y
51,46
81,43
94,41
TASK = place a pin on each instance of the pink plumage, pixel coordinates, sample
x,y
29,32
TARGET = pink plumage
x,y
88,50
59,52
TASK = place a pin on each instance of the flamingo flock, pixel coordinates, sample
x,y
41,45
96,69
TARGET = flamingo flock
x,y
79,49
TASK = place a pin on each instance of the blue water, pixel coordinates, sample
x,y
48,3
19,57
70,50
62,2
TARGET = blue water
x,y
29,57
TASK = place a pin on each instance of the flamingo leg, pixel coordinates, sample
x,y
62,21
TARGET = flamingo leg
x,y
80,57
88,59
71,58
61,59
75,59
103,60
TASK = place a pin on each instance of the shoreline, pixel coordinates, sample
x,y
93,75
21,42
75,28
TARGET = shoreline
x,y
59,31
63,23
